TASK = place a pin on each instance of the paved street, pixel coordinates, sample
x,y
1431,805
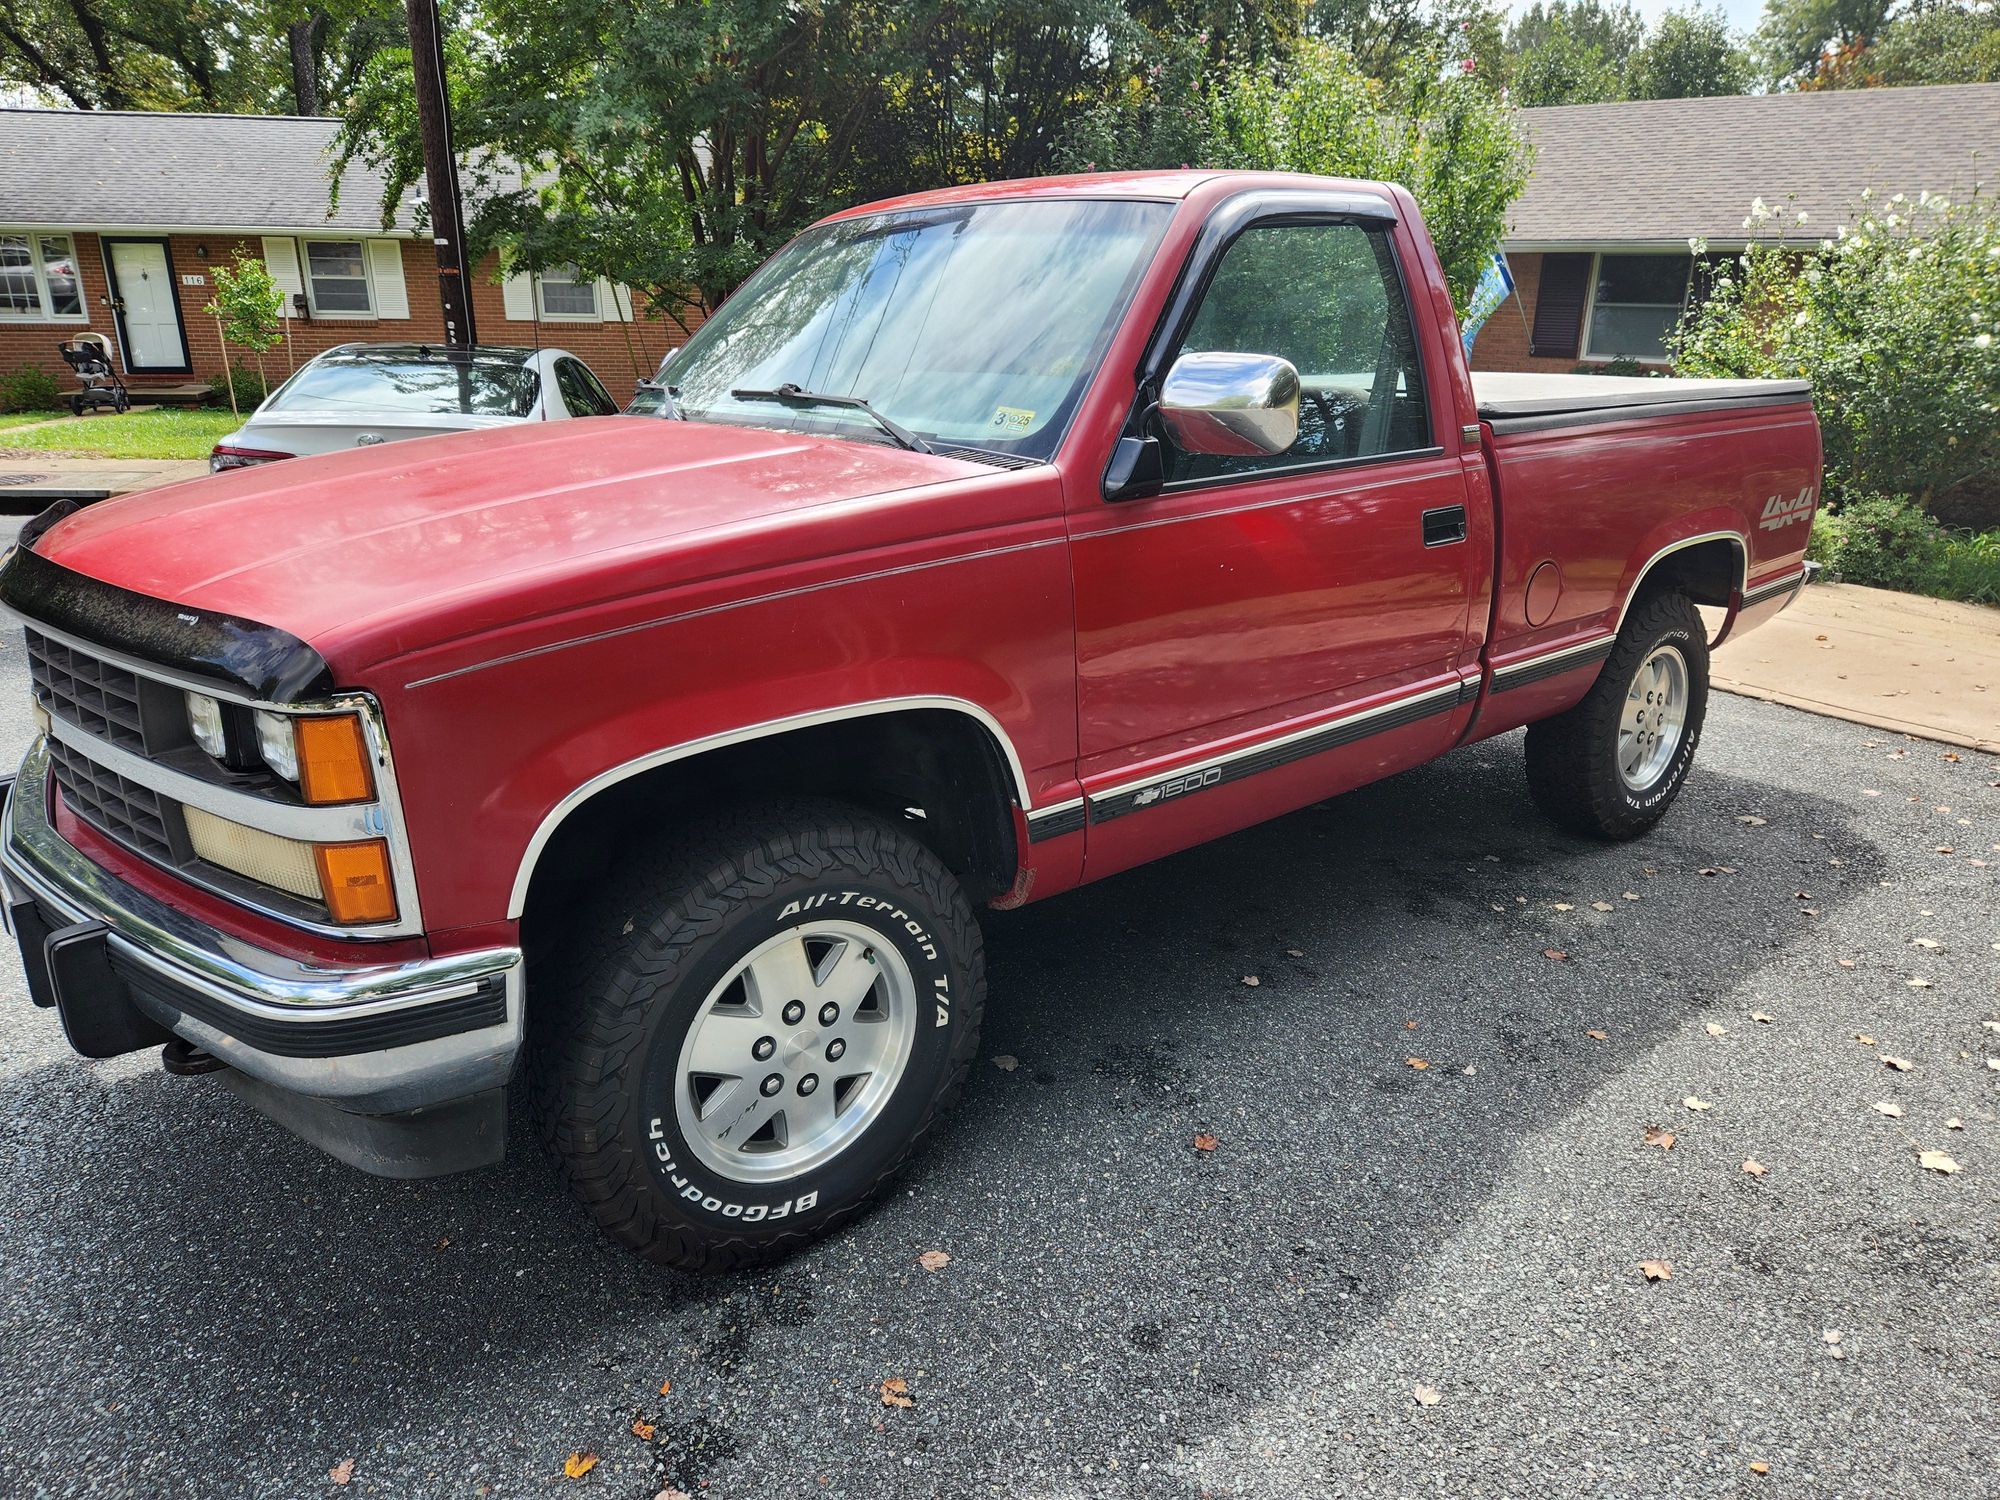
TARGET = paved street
x,y
193,1304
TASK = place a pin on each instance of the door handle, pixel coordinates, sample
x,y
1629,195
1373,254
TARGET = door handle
x,y
1444,525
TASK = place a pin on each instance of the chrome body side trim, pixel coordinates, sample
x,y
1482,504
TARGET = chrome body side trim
x,y
666,755
1742,565
263,988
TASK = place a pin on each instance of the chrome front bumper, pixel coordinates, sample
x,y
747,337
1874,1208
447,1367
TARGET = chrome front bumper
x,y
374,1039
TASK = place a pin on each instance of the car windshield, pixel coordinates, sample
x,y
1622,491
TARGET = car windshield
x,y
974,324
416,387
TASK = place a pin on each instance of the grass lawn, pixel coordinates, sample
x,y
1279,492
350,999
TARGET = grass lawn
x,y
165,432
22,418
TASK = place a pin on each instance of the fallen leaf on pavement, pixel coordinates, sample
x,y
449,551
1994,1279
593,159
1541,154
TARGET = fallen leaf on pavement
x,y
1598,1036
1760,1467
1936,1161
1831,1336
1714,1030
1409,1026
1900,1064
1251,981
1696,1104
579,1464
670,1493
1751,818
1628,895
934,1260
1765,1017
1555,953
1918,984
666,1387
1923,942
1890,1108
1845,963
1006,1062
1656,1136
1864,1038
896,1392
1205,1142
1656,1270
1602,906
1951,755
1295,953
342,1472
1426,1395
1756,1168
1419,1063
1564,906
642,1429
1954,1123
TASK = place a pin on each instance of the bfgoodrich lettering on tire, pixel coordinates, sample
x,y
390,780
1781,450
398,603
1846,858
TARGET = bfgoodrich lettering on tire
x,y
754,1032
1611,766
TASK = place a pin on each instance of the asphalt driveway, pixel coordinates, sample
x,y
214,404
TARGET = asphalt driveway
x,y
192,1303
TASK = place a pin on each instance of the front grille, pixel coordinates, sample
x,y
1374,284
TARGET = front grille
x,y
87,691
122,810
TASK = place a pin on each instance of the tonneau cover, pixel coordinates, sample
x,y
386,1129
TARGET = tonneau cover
x,y
1508,397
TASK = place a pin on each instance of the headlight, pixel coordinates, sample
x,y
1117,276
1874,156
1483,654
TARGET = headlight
x,y
277,744
205,724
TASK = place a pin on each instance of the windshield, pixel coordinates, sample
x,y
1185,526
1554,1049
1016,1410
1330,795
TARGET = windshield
x,y
412,387
976,324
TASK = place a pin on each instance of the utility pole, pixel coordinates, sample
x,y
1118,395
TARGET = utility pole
x,y
441,174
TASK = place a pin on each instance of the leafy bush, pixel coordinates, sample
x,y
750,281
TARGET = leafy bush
x,y
1896,321
30,389
1624,364
1888,542
250,388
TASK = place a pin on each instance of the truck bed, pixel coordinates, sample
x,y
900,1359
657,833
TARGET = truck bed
x,y
1521,403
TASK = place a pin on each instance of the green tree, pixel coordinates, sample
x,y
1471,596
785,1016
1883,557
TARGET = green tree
x,y
248,308
1690,54
1564,68
1614,30
1927,42
1796,34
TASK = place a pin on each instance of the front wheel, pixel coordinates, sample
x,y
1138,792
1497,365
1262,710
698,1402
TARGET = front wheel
x,y
1611,766
757,1033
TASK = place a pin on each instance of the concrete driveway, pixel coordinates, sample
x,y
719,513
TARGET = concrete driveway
x,y
196,1305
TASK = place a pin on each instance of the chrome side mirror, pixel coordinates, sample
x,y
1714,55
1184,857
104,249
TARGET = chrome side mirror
x,y
1231,405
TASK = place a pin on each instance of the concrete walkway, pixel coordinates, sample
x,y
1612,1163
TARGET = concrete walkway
x,y
29,480
1895,661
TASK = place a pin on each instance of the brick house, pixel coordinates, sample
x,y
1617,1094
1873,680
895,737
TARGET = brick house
x,y
111,223
1599,240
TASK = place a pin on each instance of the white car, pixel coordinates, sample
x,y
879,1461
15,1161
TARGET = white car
x,y
361,394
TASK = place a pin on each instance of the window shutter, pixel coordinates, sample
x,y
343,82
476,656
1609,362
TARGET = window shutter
x,y
1559,299
517,296
616,300
281,259
385,259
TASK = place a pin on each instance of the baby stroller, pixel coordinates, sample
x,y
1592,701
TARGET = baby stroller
x,y
90,356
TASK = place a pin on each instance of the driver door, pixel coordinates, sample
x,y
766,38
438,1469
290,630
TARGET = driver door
x,y
1268,630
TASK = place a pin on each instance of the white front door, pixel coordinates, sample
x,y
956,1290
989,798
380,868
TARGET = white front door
x,y
144,286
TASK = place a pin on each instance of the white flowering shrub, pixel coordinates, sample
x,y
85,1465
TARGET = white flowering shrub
x,y
1896,321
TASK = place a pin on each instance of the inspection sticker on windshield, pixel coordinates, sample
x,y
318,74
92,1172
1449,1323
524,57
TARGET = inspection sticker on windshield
x,y
1012,419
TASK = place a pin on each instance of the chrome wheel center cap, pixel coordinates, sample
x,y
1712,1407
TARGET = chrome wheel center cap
x,y
796,1050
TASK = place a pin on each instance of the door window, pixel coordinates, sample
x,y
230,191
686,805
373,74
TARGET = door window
x,y
581,392
1327,297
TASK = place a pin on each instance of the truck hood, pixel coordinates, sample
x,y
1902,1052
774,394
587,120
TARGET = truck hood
x,y
384,549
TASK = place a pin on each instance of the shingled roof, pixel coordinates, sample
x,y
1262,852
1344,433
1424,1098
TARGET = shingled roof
x,y
112,169
1659,171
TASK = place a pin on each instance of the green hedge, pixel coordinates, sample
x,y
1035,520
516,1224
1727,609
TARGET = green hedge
x,y
1889,542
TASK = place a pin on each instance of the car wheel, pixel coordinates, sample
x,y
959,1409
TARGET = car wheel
x,y
753,1034
1611,766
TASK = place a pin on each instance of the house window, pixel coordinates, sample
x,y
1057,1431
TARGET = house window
x,y
337,277
38,278
1635,302
567,293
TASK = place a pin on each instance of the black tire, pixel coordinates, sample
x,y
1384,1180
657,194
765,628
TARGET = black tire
x,y
76,406
1573,771
607,1029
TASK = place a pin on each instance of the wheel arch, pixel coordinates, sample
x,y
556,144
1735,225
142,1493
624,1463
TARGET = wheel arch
x,y
1710,567
913,728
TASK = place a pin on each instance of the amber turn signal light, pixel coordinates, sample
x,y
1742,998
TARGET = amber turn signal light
x,y
355,881
333,759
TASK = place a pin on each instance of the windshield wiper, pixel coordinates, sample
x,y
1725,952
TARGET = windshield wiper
x,y
790,394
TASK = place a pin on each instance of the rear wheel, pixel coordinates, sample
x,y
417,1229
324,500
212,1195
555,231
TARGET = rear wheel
x,y
755,1032
1611,766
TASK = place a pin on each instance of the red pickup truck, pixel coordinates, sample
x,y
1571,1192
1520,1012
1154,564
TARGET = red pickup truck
x,y
650,770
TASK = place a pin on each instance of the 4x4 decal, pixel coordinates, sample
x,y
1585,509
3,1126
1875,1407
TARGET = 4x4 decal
x,y
1780,511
